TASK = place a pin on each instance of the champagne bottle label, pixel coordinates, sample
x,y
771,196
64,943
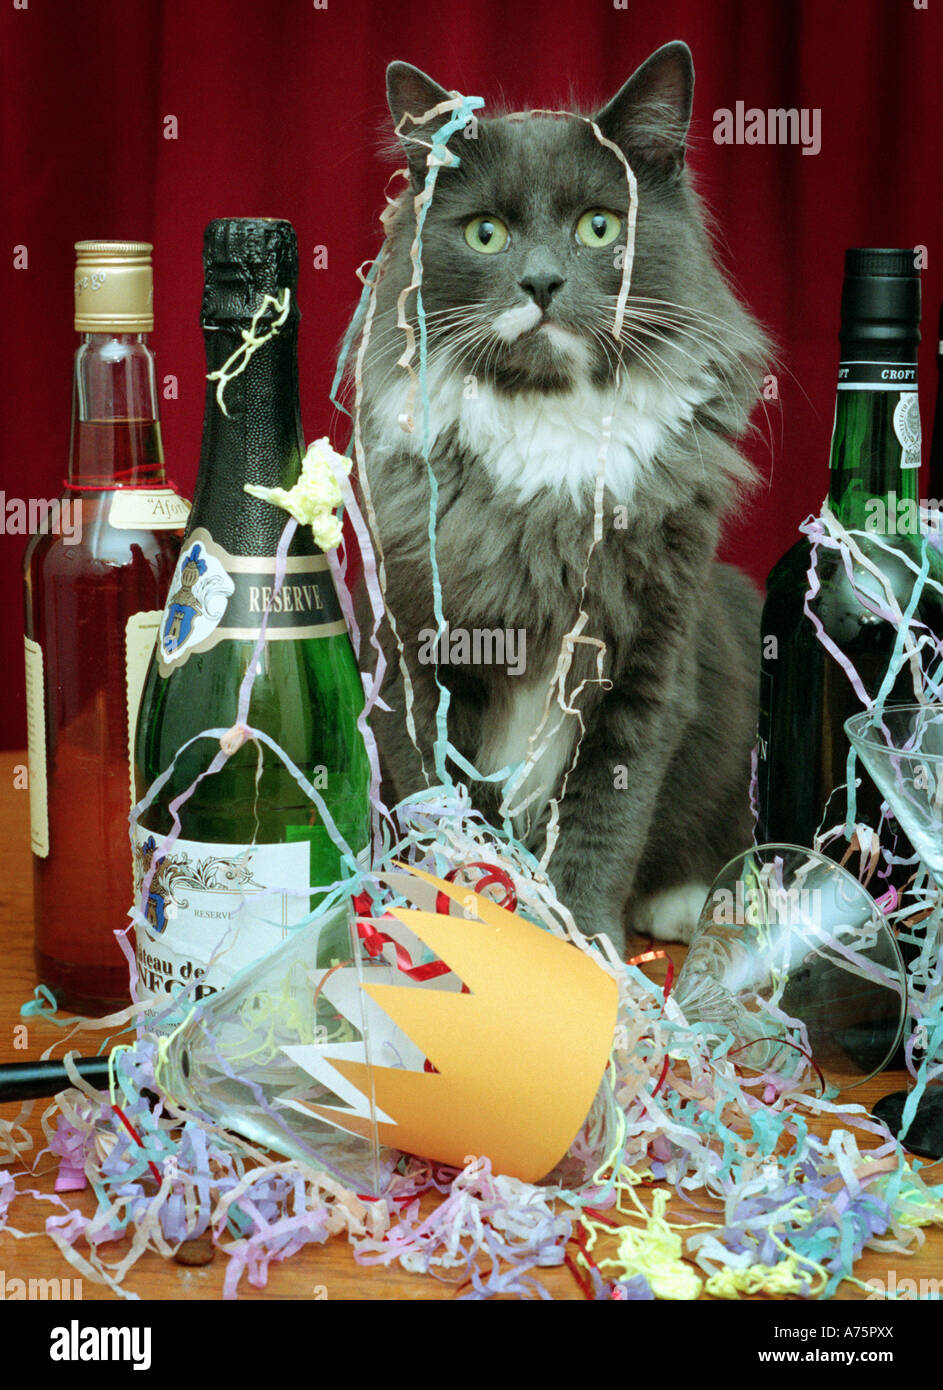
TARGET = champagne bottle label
x,y
36,749
148,509
208,900
215,596
140,634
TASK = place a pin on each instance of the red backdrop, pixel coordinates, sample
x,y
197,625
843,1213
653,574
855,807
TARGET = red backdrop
x,y
279,111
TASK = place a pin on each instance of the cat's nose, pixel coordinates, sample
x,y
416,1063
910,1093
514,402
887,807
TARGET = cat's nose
x,y
542,287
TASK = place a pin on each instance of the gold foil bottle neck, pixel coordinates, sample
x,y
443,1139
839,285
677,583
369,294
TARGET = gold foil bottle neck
x,y
114,287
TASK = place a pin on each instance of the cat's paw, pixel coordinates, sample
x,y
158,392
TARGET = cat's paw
x,y
671,915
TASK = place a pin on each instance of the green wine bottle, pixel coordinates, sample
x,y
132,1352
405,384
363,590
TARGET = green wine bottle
x,y
806,692
935,479
252,849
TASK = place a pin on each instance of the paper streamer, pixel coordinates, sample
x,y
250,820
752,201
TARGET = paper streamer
x,y
760,1203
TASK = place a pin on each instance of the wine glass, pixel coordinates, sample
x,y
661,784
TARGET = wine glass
x,y
902,748
792,958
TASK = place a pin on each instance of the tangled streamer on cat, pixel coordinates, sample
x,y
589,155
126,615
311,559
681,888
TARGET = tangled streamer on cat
x,y
559,704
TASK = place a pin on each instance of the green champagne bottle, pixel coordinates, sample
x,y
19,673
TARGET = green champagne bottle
x,y
252,849
806,693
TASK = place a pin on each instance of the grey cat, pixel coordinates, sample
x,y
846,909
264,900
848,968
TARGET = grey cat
x,y
522,257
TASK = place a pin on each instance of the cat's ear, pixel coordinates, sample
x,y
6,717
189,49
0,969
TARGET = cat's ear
x,y
650,115
411,94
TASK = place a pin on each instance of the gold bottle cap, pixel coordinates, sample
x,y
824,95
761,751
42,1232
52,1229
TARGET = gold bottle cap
x,y
114,287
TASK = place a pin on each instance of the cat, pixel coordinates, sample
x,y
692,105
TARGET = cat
x,y
523,250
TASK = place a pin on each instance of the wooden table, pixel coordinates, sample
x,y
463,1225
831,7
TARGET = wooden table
x,y
330,1267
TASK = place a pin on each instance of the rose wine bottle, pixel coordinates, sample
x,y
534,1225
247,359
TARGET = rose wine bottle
x,y
253,849
96,581
806,692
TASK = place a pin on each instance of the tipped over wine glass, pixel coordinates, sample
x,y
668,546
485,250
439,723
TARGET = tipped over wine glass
x,y
901,747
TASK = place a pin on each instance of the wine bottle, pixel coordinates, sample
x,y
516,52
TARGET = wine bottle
x,y
95,585
935,481
806,692
252,850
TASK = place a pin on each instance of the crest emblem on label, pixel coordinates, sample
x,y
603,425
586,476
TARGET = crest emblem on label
x,y
199,593
907,429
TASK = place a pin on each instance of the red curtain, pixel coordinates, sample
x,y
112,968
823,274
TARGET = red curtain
x,y
278,110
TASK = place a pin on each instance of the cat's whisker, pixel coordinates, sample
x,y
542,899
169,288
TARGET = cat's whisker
x,y
695,331
719,361
651,358
723,335
723,363
688,311
691,323
715,364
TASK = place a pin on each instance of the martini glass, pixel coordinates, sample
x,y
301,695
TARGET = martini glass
x,y
792,959
902,749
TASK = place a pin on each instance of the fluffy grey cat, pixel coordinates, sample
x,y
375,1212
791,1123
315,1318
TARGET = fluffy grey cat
x,y
523,251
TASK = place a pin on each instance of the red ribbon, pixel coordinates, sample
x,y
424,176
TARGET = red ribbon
x,y
134,1135
375,940
492,874
117,485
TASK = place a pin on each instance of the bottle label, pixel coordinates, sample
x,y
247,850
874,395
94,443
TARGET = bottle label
x,y
140,634
215,596
36,745
877,376
148,509
212,909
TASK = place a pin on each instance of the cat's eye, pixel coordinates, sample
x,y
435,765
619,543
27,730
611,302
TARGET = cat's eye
x,y
597,227
486,234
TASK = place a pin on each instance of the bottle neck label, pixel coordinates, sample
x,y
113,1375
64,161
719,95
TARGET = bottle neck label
x,y
877,376
148,509
216,597
876,434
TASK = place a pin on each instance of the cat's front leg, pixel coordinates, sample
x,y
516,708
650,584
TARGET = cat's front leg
x,y
606,813
412,760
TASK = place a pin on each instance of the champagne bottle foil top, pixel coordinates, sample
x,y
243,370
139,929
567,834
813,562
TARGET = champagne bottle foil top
x,y
245,259
114,287
880,307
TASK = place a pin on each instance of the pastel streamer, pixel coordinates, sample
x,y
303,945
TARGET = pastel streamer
x,y
760,1204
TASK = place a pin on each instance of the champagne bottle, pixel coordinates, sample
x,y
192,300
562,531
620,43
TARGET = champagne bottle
x,y
806,693
251,843
95,585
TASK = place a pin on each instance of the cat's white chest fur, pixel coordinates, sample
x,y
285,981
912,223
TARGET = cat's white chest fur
x,y
529,441
519,731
